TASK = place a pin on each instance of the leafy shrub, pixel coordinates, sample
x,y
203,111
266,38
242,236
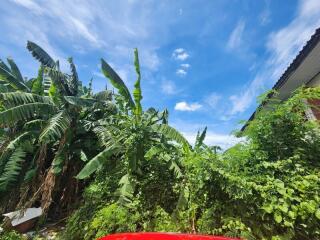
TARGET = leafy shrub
x,y
111,219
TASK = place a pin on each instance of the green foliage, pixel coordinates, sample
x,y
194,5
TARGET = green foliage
x,y
56,127
117,82
11,236
41,55
95,163
137,173
111,219
12,169
12,76
74,79
137,88
37,85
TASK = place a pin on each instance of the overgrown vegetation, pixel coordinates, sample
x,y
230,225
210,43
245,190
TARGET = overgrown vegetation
x,y
120,168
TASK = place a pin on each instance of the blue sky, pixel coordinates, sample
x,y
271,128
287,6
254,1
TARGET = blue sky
x,y
206,61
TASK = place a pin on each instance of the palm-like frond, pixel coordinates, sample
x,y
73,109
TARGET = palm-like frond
x,y
12,169
8,75
19,98
15,70
25,112
41,55
165,116
60,81
117,82
80,102
137,95
18,140
171,133
200,138
95,163
35,125
11,147
55,128
74,81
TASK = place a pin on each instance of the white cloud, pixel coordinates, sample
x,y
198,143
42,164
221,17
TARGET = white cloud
x,y
168,87
29,4
288,41
84,31
57,25
185,65
184,106
180,54
213,99
283,46
242,101
181,72
235,38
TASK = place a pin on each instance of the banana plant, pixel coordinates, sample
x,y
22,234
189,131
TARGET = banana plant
x,y
128,135
54,114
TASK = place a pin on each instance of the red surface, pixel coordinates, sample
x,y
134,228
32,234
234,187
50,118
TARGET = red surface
x,y
161,236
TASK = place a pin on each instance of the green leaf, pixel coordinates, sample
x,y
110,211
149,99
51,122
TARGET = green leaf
x,y
7,75
56,127
83,156
176,169
154,150
117,82
105,95
126,189
200,138
59,79
317,213
95,163
12,169
171,133
24,112
57,163
41,55
37,85
268,208
80,102
19,98
277,217
74,81
137,88
18,140
15,70
30,174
